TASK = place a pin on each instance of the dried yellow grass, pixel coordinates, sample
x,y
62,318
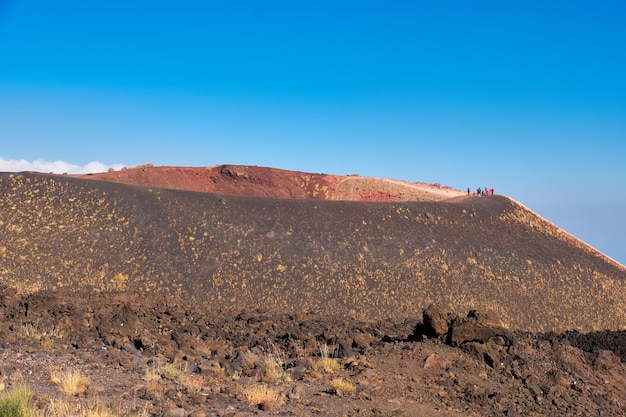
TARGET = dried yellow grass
x,y
17,402
194,383
267,398
151,374
64,408
274,366
70,381
340,386
326,363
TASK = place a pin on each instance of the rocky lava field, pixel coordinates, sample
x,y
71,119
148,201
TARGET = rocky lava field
x,y
284,304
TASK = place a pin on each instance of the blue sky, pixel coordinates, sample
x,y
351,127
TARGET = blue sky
x,y
528,97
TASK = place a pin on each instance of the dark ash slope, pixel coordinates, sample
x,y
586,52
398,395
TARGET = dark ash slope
x,y
369,261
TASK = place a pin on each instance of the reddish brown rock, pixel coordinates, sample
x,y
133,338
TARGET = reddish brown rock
x,y
437,319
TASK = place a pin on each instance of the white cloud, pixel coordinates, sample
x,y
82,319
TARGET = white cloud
x,y
56,167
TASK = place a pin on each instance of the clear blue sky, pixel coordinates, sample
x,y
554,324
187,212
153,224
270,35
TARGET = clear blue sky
x,y
528,97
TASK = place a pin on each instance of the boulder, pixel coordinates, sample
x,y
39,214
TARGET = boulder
x,y
437,319
436,361
481,327
363,340
247,359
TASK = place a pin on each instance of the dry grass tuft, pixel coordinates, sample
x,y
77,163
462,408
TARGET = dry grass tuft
x,y
99,410
64,408
192,382
152,374
326,363
46,338
169,371
61,408
17,403
70,381
341,387
274,366
264,397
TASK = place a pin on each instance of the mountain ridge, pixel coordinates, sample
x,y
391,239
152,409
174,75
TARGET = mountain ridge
x,y
277,183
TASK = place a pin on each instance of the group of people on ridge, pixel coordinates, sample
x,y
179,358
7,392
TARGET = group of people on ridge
x,y
481,192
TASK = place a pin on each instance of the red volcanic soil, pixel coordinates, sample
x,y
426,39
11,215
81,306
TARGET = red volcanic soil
x,y
278,183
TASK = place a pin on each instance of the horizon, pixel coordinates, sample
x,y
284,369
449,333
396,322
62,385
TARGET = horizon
x,y
526,97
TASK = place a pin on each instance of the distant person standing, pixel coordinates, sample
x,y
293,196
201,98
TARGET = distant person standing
x,y
468,191
491,191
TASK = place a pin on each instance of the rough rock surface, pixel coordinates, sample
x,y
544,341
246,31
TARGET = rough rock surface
x,y
437,319
480,327
162,356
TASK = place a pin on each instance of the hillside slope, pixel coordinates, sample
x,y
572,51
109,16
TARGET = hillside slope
x,y
364,260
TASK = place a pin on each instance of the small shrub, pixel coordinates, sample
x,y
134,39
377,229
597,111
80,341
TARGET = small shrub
x,y
64,408
17,403
326,363
341,387
70,382
264,397
60,408
47,342
99,410
152,374
192,382
46,338
274,366
169,371
31,331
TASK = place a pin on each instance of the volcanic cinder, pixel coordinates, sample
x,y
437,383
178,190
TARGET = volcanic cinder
x,y
289,241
